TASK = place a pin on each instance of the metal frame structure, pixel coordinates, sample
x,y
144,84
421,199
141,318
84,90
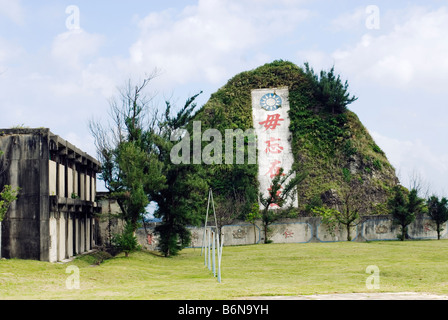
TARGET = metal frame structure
x,y
212,242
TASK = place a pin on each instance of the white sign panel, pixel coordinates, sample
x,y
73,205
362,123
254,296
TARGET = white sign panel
x,y
270,109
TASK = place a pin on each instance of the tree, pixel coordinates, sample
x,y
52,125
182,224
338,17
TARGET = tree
x,y
280,192
350,206
398,208
136,167
7,197
417,182
329,90
126,241
177,207
404,205
328,216
438,212
252,218
128,170
227,209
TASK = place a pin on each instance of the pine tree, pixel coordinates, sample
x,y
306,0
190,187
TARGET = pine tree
x,y
127,169
282,188
137,169
181,203
404,206
438,212
329,90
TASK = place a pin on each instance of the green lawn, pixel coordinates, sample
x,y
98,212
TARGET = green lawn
x,y
257,270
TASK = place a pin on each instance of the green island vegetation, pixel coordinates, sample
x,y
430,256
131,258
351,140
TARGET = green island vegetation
x,y
330,145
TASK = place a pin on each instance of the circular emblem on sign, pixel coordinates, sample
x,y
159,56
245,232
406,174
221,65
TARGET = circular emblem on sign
x,y
271,102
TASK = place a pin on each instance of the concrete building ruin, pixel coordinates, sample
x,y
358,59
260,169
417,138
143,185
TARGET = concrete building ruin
x,y
53,217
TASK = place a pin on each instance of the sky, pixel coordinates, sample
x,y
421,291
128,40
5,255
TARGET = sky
x,y
62,61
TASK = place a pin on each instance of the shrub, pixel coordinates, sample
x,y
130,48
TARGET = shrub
x,y
126,241
376,148
7,196
96,258
347,174
377,164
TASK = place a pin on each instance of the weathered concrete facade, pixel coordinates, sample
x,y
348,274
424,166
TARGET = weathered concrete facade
x,y
298,230
311,229
53,218
109,222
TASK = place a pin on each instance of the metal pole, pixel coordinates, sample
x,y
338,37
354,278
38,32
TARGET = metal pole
x,y
219,257
209,251
215,247
205,247
214,253
214,212
205,225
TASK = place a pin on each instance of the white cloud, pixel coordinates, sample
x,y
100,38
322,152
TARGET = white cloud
x,y
411,156
64,83
412,55
84,142
8,52
211,40
350,20
12,9
318,60
72,48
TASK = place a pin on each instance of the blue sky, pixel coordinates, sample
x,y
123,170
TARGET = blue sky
x,y
394,57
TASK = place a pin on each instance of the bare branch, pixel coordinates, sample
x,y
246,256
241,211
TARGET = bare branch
x,y
417,182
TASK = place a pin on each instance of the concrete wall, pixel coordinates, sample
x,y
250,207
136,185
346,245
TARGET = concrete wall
x,y
305,230
70,183
108,223
52,178
82,186
76,183
70,234
53,255
69,238
44,221
92,188
62,230
61,181
25,165
88,193
299,230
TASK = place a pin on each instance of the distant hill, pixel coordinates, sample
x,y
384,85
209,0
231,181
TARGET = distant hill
x,y
334,148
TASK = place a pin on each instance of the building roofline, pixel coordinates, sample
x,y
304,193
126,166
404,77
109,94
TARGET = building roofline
x,y
57,143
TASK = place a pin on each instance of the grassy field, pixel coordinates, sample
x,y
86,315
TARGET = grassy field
x,y
258,270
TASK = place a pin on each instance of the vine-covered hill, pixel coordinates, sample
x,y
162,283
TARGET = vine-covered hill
x,y
334,148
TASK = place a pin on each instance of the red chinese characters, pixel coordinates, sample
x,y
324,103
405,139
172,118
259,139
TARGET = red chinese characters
x,y
274,146
274,169
272,122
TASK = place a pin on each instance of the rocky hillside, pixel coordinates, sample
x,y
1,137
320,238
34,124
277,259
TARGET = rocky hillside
x,y
334,148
